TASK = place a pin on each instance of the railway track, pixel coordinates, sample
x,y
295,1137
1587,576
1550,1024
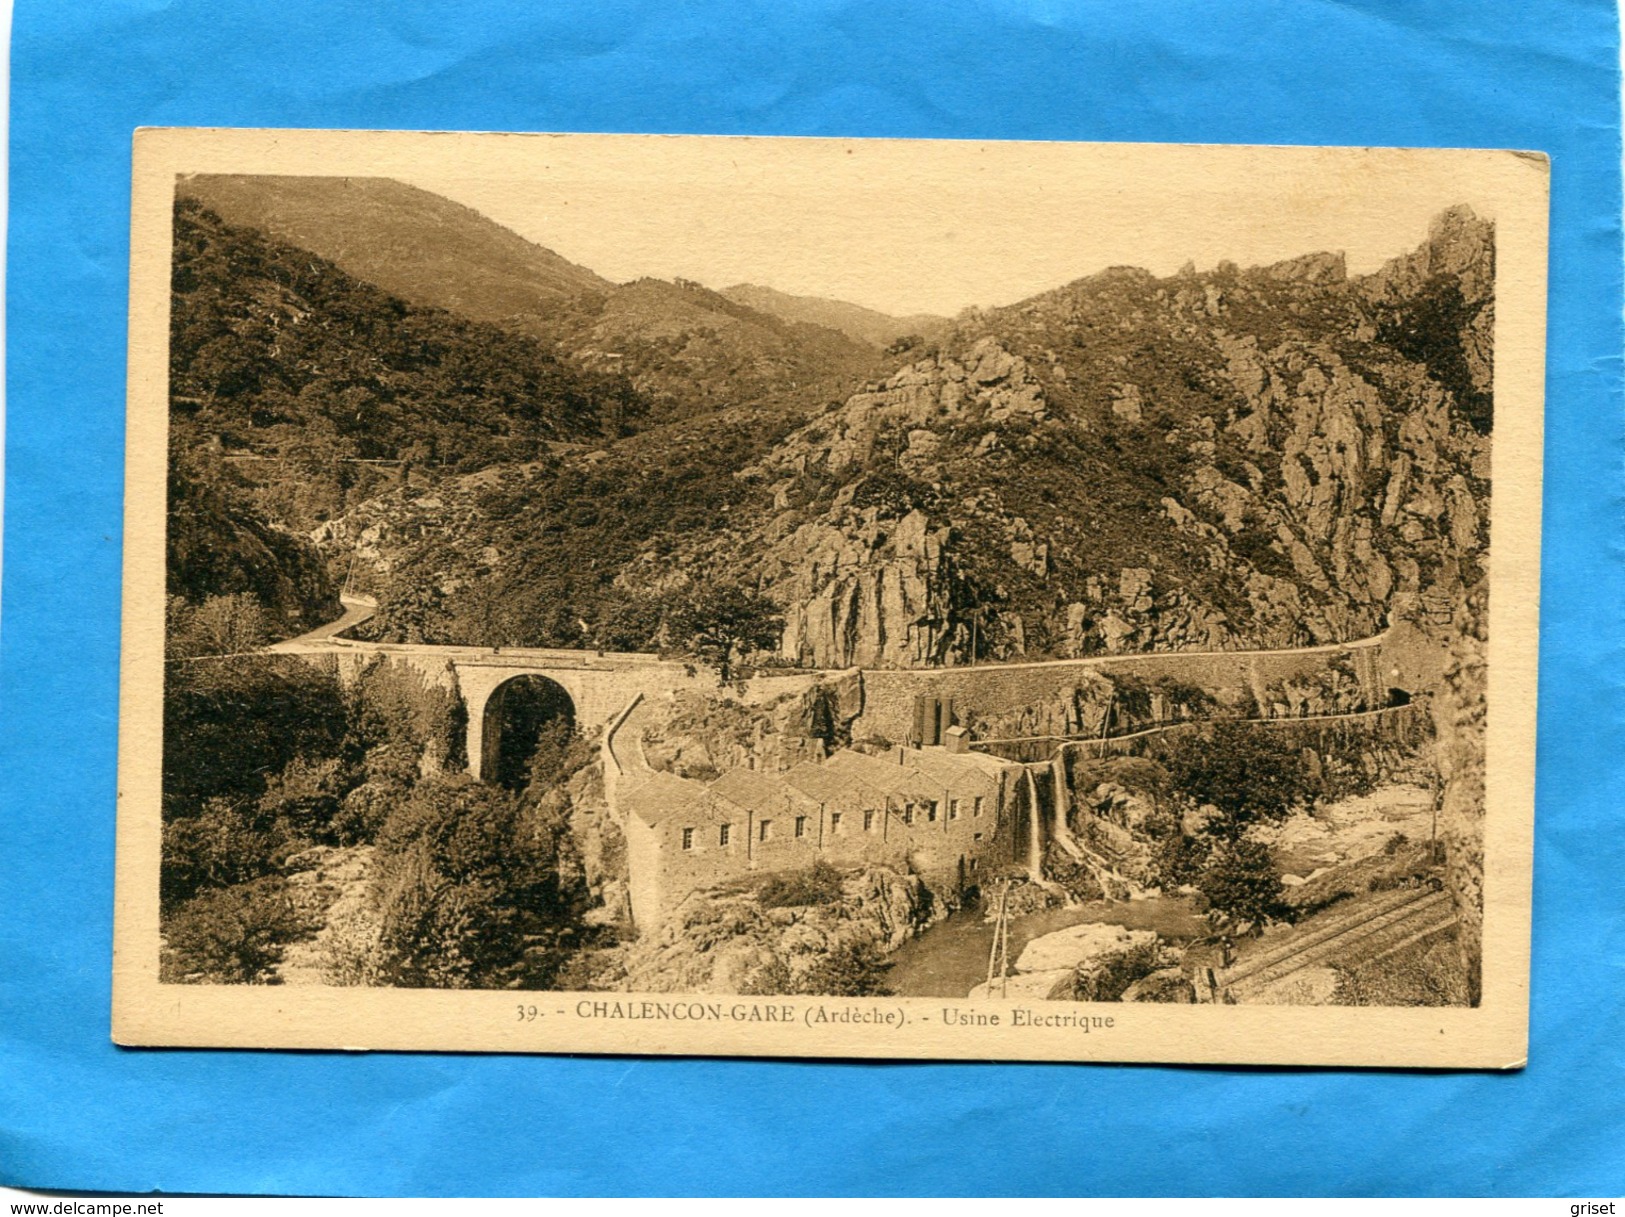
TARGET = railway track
x,y
1375,931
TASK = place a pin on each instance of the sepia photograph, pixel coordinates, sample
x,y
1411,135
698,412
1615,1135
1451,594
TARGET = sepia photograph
x,y
830,597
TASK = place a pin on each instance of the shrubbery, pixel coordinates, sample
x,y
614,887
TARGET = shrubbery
x,y
268,757
1241,881
1107,979
853,969
818,884
466,877
230,935
1249,775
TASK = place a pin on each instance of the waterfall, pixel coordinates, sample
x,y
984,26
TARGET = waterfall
x,y
1035,831
1112,885
1063,830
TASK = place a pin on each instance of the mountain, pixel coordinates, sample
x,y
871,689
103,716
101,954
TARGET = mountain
x,y
1437,305
1268,457
425,249
687,350
856,322
313,384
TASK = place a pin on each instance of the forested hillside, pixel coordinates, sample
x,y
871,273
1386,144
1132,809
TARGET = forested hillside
x,y
298,392
415,245
687,350
276,353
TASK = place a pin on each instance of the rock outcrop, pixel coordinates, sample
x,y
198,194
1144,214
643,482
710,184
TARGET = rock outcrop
x,y
1232,459
1308,471
727,942
864,592
1080,963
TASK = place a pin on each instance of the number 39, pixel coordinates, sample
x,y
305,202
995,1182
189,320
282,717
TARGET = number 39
x,y
529,1014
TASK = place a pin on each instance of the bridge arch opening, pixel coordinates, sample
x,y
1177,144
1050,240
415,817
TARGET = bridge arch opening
x,y
526,718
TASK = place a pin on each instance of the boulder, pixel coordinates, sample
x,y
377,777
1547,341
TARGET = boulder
x,y
1164,985
1079,945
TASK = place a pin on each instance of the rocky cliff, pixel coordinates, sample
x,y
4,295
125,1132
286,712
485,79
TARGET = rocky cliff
x,y
1269,458
1262,458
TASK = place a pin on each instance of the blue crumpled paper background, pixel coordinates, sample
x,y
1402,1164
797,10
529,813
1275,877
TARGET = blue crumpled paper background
x,y
77,1112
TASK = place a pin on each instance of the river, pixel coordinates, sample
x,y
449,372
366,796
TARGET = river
x,y
950,958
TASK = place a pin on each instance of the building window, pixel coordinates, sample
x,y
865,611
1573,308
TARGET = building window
x,y
953,809
931,810
976,837
688,838
834,822
724,832
976,806
908,813
868,821
765,829
801,826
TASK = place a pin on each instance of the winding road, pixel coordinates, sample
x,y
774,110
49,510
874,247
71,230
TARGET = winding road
x,y
356,610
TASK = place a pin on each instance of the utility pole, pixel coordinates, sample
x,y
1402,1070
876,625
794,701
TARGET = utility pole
x,y
998,959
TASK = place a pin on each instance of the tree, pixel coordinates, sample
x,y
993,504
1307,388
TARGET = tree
x,y
1241,880
468,881
716,622
221,625
1248,774
231,935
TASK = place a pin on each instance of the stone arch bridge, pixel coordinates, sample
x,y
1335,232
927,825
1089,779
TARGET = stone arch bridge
x,y
599,684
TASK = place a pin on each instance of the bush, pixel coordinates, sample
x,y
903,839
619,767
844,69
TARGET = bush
x,y
468,881
397,716
1112,974
366,809
854,969
231,935
229,723
1246,773
1242,881
225,844
1178,860
304,799
220,625
818,884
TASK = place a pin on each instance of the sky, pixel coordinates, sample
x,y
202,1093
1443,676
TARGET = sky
x,y
937,227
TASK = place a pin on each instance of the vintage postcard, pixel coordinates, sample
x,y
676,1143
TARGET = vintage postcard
x,y
816,597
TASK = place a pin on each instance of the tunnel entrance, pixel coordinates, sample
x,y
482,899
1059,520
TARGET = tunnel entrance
x,y
525,716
